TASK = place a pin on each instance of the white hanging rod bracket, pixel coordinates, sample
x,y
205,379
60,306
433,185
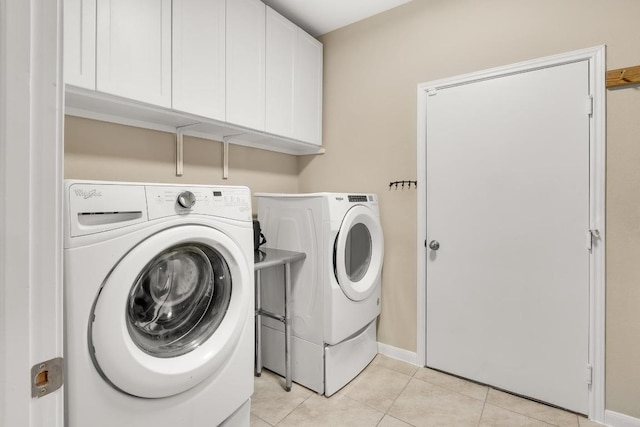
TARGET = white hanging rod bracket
x,y
180,148
225,155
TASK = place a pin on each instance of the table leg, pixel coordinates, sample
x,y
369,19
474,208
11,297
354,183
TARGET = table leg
x,y
258,325
287,326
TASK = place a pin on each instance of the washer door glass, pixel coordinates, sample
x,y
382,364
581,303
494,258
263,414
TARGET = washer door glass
x,y
178,300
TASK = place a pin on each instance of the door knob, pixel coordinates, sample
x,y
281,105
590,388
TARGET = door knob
x,y
434,245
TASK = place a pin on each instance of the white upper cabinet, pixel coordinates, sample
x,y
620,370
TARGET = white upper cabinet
x,y
307,99
80,43
199,57
294,81
282,36
245,65
221,67
134,50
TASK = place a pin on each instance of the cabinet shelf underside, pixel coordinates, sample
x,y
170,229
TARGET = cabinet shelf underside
x,y
99,106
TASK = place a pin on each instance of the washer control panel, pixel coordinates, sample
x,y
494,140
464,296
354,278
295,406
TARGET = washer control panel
x,y
97,206
227,202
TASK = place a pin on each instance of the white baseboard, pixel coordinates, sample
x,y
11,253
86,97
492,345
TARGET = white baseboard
x,y
615,419
398,353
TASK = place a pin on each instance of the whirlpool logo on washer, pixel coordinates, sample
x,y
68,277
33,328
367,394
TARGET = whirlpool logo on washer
x,y
87,194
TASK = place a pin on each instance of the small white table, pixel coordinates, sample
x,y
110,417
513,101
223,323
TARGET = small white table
x,y
265,258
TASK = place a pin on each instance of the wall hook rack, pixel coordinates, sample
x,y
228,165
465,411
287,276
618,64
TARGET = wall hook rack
x,y
623,77
403,183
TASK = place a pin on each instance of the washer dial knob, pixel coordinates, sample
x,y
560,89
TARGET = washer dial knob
x,y
186,199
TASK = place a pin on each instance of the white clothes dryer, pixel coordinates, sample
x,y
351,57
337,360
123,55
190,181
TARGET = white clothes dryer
x,y
158,294
335,291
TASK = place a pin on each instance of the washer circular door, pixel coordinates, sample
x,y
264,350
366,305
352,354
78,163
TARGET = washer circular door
x,y
358,253
171,312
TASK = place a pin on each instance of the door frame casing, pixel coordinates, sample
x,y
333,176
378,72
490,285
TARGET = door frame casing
x,y
31,171
597,170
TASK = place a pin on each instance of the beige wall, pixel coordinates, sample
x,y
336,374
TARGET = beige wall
x,y
623,247
371,71
106,151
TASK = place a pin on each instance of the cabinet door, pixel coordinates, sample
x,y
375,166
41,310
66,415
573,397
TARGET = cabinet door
x,y
308,90
199,57
280,67
246,63
134,50
80,43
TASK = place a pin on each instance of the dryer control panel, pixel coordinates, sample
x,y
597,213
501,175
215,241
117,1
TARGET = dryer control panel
x,y
361,198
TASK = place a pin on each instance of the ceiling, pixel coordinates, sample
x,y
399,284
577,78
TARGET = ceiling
x,y
318,17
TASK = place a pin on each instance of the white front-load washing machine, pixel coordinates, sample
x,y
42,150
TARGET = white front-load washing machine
x,y
158,303
336,290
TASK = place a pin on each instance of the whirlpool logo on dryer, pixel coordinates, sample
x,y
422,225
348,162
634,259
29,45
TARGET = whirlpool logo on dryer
x,y
87,194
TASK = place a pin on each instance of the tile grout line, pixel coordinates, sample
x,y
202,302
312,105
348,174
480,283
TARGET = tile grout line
x,y
295,407
367,405
484,405
261,419
550,423
452,390
279,380
524,415
386,412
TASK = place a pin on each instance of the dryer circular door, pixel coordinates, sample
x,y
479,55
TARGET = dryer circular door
x,y
358,253
171,312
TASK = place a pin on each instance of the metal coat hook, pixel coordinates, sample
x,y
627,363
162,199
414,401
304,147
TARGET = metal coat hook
x,y
402,183
623,77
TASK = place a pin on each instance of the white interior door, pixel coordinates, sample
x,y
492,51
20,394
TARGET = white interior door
x,y
507,196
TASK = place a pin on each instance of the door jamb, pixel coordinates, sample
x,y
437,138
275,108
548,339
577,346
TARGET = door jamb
x,y
597,134
31,162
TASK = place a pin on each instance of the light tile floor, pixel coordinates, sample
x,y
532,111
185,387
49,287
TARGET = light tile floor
x,y
390,393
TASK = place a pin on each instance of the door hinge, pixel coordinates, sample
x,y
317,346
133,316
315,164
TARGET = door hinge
x,y
589,374
592,234
590,105
47,377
